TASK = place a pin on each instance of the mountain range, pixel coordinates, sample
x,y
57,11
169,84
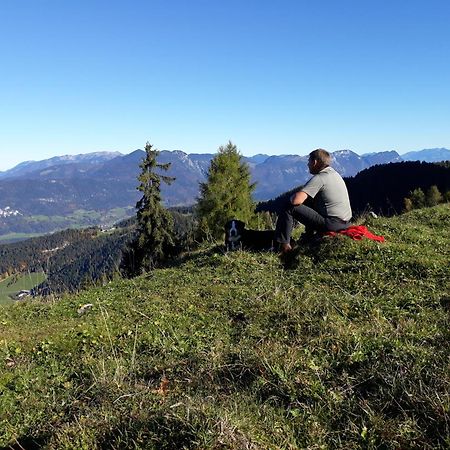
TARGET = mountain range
x,y
100,188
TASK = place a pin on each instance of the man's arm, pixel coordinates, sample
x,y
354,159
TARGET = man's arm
x,y
298,198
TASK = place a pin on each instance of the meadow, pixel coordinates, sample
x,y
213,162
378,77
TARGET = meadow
x,y
15,283
343,345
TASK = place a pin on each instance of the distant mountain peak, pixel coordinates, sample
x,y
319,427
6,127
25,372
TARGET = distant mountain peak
x,y
383,152
428,155
345,153
32,166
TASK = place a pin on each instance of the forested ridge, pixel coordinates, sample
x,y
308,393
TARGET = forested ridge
x,y
383,188
33,254
73,259
84,263
70,259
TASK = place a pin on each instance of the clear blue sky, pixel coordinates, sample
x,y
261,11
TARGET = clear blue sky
x,y
280,77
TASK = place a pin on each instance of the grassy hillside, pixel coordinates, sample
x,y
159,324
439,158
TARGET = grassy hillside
x,y
15,283
347,346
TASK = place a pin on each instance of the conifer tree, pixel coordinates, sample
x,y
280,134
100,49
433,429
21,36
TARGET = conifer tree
x,y
433,196
155,223
407,204
227,192
417,198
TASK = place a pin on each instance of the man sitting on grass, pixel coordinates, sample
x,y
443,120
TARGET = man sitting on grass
x,y
331,210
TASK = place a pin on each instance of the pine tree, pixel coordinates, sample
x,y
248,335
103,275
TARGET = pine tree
x,y
433,196
155,223
417,198
407,204
227,192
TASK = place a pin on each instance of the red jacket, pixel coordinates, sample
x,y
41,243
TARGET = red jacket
x,y
357,232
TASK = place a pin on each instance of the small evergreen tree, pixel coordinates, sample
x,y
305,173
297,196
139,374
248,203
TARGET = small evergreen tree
x,y
433,196
407,204
417,198
227,192
155,223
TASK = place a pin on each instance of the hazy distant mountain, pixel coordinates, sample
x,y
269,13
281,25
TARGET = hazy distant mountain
x,y
256,159
278,174
84,160
348,163
101,187
428,155
372,159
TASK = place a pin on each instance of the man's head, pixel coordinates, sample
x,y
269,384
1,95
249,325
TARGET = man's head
x,y
318,160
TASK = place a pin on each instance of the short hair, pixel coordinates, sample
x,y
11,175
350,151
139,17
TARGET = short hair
x,y
321,155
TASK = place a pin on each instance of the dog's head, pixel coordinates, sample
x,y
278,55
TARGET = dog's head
x,y
233,234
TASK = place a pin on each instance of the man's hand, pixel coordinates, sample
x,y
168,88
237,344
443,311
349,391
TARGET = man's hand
x,y
298,198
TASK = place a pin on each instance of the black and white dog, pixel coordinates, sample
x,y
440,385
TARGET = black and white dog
x,y
238,237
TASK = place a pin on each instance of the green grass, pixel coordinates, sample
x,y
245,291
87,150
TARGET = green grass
x,y
81,217
15,283
345,346
14,237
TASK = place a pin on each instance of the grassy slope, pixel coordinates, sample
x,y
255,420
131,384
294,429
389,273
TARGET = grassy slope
x,y
14,284
348,348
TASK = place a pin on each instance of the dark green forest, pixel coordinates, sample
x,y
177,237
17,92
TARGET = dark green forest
x,y
34,254
383,188
74,259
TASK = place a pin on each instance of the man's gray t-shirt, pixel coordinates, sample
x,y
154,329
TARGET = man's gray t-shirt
x,y
330,194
